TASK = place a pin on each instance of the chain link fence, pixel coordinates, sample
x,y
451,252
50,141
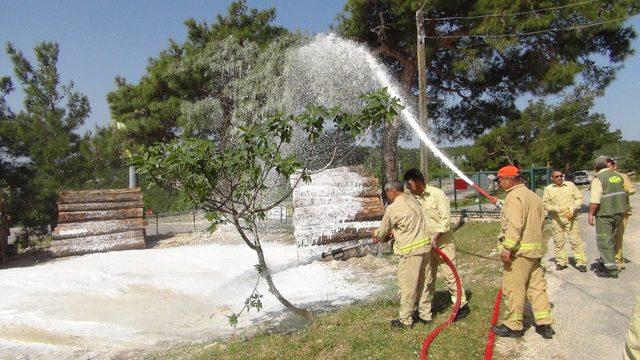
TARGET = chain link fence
x,y
195,220
465,199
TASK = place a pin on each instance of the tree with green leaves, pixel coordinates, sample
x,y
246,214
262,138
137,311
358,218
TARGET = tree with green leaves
x,y
43,151
477,65
238,180
564,136
631,162
223,71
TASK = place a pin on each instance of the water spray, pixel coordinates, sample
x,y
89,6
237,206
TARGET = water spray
x,y
410,118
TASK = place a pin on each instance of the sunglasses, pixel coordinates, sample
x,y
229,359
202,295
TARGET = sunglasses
x,y
557,176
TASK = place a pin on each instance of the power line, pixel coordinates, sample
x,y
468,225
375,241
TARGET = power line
x,y
510,14
577,27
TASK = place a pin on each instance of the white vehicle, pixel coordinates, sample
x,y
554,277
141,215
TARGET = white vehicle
x,y
581,178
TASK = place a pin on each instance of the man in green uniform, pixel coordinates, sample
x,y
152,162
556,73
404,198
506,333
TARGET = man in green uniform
x,y
437,214
630,189
607,206
521,249
403,219
563,199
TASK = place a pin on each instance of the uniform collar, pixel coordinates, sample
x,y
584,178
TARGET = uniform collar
x,y
515,187
603,170
427,190
564,183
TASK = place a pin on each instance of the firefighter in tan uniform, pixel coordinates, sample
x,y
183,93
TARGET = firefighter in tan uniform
x,y
563,199
630,189
632,343
522,220
437,214
404,219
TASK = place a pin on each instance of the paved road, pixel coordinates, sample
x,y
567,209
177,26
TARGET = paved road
x,y
592,314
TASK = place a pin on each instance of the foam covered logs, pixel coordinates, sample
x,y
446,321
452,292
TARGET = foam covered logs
x,y
97,221
338,205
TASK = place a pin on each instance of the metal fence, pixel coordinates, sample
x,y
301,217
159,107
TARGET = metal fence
x,y
195,220
466,201
473,204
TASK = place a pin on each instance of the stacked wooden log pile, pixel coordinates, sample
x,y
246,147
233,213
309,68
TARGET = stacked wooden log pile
x,y
98,221
338,205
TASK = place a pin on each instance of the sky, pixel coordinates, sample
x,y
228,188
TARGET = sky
x,y
101,39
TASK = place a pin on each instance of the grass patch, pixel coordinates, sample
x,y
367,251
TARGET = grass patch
x,y
362,331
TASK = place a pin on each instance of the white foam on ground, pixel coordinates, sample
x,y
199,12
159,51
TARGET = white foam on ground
x,y
134,299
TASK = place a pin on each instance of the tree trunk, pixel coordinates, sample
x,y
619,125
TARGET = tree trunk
x,y
272,288
257,247
390,153
392,130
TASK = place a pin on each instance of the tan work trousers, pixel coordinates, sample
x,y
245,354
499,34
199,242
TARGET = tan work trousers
x,y
448,249
632,343
617,247
521,280
413,271
563,230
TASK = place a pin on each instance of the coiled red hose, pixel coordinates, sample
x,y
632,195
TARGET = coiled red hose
x,y
432,335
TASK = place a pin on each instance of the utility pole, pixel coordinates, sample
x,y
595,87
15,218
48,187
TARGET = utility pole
x,y
423,116
133,181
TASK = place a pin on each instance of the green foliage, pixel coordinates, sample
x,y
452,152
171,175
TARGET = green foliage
x,y
565,136
224,71
625,152
630,161
234,178
42,151
241,23
407,158
230,177
474,82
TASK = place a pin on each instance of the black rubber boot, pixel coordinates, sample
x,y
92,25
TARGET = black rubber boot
x,y
546,331
581,268
606,273
560,267
417,319
398,324
463,312
505,331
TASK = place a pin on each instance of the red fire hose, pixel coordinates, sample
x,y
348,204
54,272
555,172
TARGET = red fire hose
x,y
488,352
496,309
432,335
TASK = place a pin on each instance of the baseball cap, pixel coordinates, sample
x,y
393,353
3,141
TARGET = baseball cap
x,y
507,171
600,161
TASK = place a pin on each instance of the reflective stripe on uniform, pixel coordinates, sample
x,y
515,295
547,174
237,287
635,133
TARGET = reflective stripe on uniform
x,y
542,314
614,194
531,246
413,245
522,246
509,243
